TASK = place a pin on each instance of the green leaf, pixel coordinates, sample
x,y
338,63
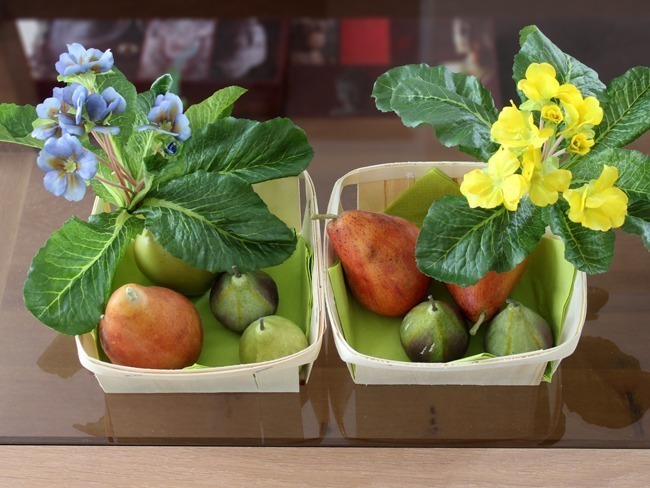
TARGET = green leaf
x,y
588,250
16,124
464,248
217,106
633,170
70,277
537,48
638,221
214,221
458,106
254,151
626,114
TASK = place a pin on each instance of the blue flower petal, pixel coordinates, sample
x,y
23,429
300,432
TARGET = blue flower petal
x,y
48,108
75,188
87,165
44,132
106,129
96,107
182,127
55,182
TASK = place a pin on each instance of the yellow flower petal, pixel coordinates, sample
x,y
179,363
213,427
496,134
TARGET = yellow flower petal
x,y
598,205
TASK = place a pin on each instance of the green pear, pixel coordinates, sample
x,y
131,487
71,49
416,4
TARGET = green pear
x,y
238,299
269,338
434,332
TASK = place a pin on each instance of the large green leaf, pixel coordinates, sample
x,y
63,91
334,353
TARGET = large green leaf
x,y
638,221
626,114
537,48
633,170
458,106
214,221
458,244
588,250
16,124
69,280
217,106
254,151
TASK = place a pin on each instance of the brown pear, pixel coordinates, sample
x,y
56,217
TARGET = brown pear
x,y
481,301
377,252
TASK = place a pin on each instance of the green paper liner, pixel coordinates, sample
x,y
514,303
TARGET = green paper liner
x,y
545,286
221,345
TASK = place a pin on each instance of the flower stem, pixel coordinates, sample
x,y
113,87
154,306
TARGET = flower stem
x,y
126,189
554,147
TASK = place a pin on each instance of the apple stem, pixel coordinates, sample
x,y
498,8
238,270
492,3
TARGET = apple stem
x,y
478,323
433,303
131,294
235,270
323,216
261,323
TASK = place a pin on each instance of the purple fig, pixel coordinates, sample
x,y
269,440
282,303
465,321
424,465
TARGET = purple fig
x,y
434,332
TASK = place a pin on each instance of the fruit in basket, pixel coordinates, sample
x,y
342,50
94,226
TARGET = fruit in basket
x,y
163,269
434,332
237,299
377,252
517,329
269,338
150,327
482,300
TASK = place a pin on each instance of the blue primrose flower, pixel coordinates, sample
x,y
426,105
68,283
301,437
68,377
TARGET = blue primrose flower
x,y
48,110
78,60
166,116
55,113
67,165
101,106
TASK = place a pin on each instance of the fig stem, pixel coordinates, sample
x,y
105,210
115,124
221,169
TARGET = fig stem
x,y
261,323
433,303
235,270
478,323
323,216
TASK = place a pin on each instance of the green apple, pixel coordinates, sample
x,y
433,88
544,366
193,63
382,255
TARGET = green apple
x,y
164,269
269,338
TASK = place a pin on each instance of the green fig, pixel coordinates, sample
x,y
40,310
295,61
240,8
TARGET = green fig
x,y
238,299
434,332
269,338
517,329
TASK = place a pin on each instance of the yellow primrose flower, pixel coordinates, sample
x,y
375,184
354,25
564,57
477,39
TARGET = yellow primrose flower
x,y
598,205
580,144
581,115
552,113
495,185
545,180
516,130
539,85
